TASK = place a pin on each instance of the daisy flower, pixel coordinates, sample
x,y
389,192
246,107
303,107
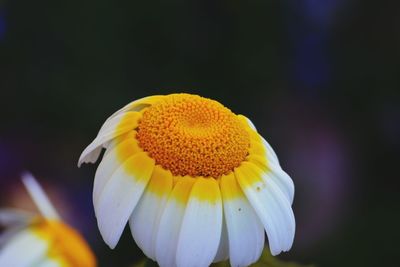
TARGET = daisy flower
x,y
41,241
195,181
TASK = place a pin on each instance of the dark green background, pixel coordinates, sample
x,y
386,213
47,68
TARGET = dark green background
x,y
320,79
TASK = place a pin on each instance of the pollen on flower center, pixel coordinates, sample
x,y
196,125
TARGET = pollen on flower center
x,y
192,135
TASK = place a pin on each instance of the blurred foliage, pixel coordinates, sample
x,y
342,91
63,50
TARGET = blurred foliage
x,y
266,260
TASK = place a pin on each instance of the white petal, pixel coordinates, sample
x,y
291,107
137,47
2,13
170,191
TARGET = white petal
x,y
271,155
275,172
48,263
283,213
201,226
270,204
23,250
91,155
120,196
283,181
39,197
146,216
11,217
14,222
248,121
112,128
9,233
92,152
170,223
115,155
223,247
286,216
245,231
109,164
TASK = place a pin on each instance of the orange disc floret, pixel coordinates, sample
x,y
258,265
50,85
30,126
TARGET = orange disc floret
x,y
66,244
192,135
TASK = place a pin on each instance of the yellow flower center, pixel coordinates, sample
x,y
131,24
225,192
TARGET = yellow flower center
x,y
66,245
192,135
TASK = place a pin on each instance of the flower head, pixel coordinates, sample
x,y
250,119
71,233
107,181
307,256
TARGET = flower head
x,y
42,241
196,182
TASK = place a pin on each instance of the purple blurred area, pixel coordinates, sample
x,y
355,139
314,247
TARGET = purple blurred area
x,y
320,80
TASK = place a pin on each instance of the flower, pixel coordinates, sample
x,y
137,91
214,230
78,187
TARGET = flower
x,y
196,182
41,241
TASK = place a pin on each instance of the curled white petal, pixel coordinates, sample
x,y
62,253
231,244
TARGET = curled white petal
x,y
136,105
111,129
271,206
111,161
275,172
283,181
107,130
120,196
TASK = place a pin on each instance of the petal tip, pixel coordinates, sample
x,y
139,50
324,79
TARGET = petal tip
x,y
38,196
110,239
110,245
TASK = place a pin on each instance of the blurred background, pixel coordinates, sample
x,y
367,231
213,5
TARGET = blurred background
x,y
320,80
